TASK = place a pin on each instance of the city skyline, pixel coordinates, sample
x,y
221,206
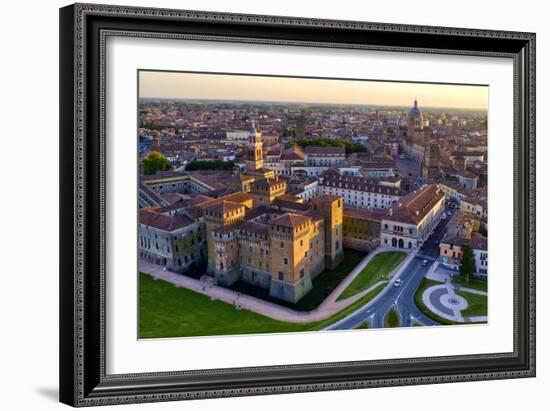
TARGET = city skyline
x,y
201,86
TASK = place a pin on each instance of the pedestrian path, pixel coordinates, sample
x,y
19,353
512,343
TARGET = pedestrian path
x,y
326,309
443,301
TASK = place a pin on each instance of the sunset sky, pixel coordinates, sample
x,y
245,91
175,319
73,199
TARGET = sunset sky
x,y
285,89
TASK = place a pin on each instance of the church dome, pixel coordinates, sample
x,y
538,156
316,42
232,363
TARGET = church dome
x,y
415,111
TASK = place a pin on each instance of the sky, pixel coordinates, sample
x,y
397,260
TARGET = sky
x,y
179,85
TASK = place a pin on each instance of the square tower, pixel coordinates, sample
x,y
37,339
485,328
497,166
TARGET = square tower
x,y
332,209
290,242
223,214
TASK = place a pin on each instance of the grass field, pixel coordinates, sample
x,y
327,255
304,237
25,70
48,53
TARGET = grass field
x,y
168,311
328,280
376,270
475,283
363,326
392,320
477,304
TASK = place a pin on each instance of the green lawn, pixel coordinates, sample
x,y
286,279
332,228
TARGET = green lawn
x,y
376,270
392,320
168,311
475,283
323,284
363,326
328,280
477,304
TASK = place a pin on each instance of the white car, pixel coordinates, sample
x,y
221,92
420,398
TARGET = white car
x,y
398,282
424,263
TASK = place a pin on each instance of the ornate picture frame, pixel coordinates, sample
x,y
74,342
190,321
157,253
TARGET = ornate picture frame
x,y
84,29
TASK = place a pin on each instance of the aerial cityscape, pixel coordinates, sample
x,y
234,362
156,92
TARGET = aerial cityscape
x,y
276,204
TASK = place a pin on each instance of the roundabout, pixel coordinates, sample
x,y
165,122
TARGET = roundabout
x,y
444,302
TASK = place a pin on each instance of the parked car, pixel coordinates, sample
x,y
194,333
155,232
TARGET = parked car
x,y
424,263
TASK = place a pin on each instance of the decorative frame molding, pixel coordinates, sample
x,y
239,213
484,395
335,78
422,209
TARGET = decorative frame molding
x,y
83,32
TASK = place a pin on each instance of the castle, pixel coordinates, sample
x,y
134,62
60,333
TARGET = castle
x,y
258,235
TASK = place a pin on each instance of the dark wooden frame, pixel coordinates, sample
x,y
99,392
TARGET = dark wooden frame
x,y
83,29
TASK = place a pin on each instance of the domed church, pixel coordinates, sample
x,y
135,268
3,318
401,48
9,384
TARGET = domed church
x,y
416,129
416,142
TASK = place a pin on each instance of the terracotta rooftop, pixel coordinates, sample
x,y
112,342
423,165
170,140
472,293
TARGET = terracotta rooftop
x,y
290,220
479,242
290,205
162,221
359,184
334,151
224,207
325,198
254,227
293,153
363,213
412,208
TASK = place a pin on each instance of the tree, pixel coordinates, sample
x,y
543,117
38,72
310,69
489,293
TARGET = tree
x,y
483,229
467,262
327,142
210,165
155,162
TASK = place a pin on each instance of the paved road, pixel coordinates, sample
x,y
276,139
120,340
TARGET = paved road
x,y
402,298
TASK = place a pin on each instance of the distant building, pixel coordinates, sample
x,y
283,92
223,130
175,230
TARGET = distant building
x,y
459,232
360,192
325,156
479,246
300,129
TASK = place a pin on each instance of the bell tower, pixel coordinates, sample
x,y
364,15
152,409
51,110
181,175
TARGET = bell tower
x,y
254,155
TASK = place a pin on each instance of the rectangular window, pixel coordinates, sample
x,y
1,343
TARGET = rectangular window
x,y
281,276
285,260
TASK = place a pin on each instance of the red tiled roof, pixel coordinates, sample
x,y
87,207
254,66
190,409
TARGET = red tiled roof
x,y
334,151
162,221
412,208
363,213
290,220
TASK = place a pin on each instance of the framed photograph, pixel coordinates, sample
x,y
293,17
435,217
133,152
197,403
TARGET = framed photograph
x,y
261,204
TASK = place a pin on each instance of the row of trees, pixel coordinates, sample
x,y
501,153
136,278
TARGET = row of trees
x,y
327,142
210,165
155,162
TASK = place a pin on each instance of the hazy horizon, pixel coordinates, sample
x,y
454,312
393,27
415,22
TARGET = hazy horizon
x,y
266,89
